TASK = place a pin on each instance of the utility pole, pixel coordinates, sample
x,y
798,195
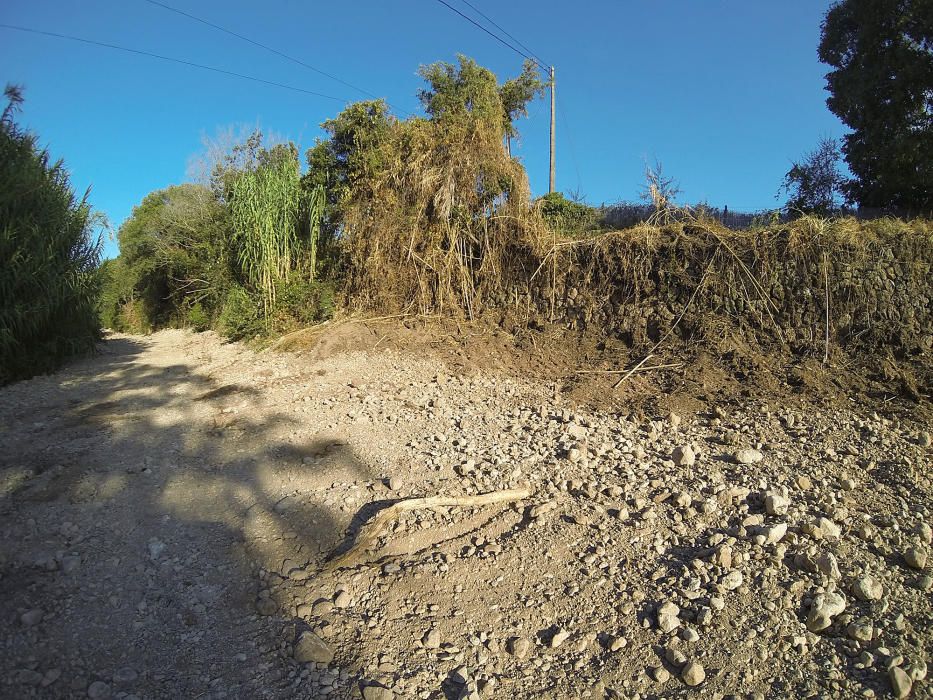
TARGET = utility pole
x,y
553,177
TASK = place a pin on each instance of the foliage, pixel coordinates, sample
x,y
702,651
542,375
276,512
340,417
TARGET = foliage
x,y
303,303
173,255
438,229
350,157
815,184
266,210
48,280
566,216
468,91
462,93
881,87
239,316
517,92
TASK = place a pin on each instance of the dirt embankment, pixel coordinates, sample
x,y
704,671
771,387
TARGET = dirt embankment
x,y
723,526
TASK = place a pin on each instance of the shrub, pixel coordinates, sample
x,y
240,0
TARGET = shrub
x,y
303,303
566,216
48,280
240,316
197,318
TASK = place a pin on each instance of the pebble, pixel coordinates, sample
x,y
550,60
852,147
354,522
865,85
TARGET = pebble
x,y
377,692
901,685
684,456
431,639
32,618
748,456
99,690
916,558
693,673
824,608
828,565
668,617
776,504
559,638
311,648
732,580
775,533
519,647
867,588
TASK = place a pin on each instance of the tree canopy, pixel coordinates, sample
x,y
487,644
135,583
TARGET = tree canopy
x,y
815,184
881,87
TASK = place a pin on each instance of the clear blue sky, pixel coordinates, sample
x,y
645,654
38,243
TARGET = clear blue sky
x,y
723,92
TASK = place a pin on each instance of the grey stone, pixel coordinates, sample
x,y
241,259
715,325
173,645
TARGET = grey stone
x,y
98,690
31,618
901,685
311,648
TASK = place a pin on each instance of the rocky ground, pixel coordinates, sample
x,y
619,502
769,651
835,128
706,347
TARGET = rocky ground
x,y
168,508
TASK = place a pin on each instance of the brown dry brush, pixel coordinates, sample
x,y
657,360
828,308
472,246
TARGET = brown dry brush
x,y
446,227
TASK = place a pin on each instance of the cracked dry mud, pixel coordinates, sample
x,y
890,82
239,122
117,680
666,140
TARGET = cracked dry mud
x,y
168,507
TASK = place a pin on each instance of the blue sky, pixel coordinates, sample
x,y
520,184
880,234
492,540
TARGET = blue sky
x,y
723,92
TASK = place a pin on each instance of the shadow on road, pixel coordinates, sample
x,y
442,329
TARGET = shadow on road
x,y
145,510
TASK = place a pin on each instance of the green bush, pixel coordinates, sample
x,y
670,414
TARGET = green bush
x,y
303,303
566,216
48,278
241,315
197,318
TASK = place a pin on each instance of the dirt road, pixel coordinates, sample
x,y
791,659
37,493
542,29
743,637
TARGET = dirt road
x,y
167,507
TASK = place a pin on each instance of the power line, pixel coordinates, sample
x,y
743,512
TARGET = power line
x,y
267,48
494,36
573,151
173,60
541,62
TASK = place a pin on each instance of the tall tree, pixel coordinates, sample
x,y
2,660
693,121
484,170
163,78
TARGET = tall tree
x,y
881,87
815,184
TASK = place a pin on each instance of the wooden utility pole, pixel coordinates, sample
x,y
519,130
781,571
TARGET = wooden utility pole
x,y
553,172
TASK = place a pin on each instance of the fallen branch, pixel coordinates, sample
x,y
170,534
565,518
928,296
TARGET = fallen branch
x,y
623,371
633,370
370,533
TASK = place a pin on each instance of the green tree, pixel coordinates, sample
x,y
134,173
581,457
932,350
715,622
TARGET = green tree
x,y
815,184
48,280
462,92
352,154
516,93
881,87
173,255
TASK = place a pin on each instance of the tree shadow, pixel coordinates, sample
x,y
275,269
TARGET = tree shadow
x,y
148,512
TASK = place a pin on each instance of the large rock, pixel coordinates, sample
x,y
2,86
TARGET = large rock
x,y
867,588
311,648
748,456
824,608
693,673
684,456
